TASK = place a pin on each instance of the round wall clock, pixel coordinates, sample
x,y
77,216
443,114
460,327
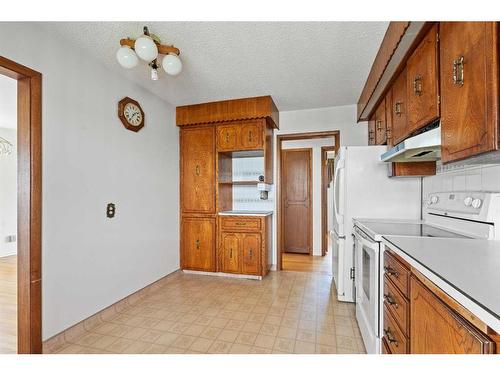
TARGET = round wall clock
x,y
131,114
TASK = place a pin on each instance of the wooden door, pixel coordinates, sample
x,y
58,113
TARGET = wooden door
x,y
435,329
197,170
227,137
252,136
422,83
371,131
197,243
251,246
469,85
297,200
380,124
388,118
230,244
398,109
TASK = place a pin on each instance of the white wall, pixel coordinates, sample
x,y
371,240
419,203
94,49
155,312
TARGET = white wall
x,y
8,193
90,159
315,145
341,118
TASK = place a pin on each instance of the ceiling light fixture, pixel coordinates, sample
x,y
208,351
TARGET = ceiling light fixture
x,y
5,147
148,47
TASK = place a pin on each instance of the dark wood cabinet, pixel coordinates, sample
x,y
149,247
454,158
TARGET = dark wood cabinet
x,y
422,83
398,109
469,86
197,170
436,329
198,243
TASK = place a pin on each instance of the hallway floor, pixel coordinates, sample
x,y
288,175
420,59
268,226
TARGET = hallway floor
x,y
287,312
8,304
307,263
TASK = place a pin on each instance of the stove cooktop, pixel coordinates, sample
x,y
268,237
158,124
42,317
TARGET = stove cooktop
x,y
410,229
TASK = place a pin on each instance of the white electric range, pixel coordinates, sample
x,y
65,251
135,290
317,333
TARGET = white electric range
x,y
456,214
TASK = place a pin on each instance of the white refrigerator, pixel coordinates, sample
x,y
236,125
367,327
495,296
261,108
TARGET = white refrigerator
x,y
362,189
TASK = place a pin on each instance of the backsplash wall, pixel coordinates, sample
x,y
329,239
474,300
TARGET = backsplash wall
x,y
469,178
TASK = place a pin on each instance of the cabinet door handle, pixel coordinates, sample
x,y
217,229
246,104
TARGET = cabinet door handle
x,y
197,170
379,124
197,244
390,338
391,271
231,253
417,85
251,253
397,109
458,71
250,136
241,224
227,137
390,300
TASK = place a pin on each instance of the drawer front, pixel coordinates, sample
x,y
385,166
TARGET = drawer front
x,y
397,273
385,347
396,341
240,224
397,304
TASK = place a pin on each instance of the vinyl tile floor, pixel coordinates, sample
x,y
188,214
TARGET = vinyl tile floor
x,y
286,312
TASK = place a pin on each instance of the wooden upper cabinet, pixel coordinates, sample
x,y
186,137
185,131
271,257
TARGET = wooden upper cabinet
x,y
241,135
371,130
469,86
198,243
197,170
436,329
398,109
422,84
380,124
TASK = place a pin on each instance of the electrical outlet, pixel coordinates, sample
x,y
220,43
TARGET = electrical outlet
x,y
110,210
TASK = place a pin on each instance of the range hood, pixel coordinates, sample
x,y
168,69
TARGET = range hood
x,y
425,146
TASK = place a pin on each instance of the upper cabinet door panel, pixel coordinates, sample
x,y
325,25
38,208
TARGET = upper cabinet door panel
x,y
422,82
398,109
380,124
388,118
227,137
469,85
197,170
252,136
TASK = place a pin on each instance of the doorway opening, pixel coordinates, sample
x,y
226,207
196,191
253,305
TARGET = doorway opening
x,y
20,315
305,200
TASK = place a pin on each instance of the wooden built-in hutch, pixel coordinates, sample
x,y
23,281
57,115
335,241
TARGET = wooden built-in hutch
x,y
211,135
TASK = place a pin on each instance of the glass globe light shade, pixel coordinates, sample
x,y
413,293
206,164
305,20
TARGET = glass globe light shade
x,y
146,48
127,57
172,64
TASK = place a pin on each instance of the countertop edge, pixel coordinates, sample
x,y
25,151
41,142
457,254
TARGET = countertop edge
x,y
245,213
488,318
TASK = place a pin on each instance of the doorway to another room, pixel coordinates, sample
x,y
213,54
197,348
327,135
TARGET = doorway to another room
x,y
305,200
20,208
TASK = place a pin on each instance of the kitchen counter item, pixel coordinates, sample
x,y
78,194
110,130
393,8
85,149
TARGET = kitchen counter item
x,y
466,269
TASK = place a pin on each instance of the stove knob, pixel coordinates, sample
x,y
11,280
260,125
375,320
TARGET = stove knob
x,y
468,201
434,199
476,203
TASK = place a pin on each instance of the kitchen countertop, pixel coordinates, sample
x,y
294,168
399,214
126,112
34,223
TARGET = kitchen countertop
x,y
246,213
466,269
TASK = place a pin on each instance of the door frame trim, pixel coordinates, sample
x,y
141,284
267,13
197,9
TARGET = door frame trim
x,y
29,204
310,188
324,197
279,146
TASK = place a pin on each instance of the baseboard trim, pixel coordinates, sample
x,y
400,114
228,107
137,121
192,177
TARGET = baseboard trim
x,y
222,274
65,337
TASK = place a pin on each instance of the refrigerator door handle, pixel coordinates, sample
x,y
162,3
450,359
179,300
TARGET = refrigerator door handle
x,y
338,197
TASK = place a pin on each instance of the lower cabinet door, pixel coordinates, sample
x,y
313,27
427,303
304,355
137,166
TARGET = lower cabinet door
x,y
251,246
230,243
435,329
198,243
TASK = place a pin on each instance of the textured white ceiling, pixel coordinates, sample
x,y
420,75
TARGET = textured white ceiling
x,y
301,64
8,102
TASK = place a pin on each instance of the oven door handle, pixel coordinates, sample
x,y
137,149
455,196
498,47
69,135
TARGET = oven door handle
x,y
365,240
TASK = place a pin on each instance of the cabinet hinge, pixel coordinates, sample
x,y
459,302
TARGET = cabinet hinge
x,y
352,273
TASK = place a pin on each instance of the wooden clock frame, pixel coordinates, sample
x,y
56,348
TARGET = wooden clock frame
x,y
121,106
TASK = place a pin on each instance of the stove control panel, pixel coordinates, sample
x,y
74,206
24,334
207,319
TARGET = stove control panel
x,y
470,204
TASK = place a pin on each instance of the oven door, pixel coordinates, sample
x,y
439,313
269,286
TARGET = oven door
x,y
367,289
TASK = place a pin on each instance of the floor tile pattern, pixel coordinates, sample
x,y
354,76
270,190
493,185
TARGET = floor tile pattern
x,y
287,312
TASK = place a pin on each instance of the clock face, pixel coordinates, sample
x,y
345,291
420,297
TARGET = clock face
x,y
132,114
